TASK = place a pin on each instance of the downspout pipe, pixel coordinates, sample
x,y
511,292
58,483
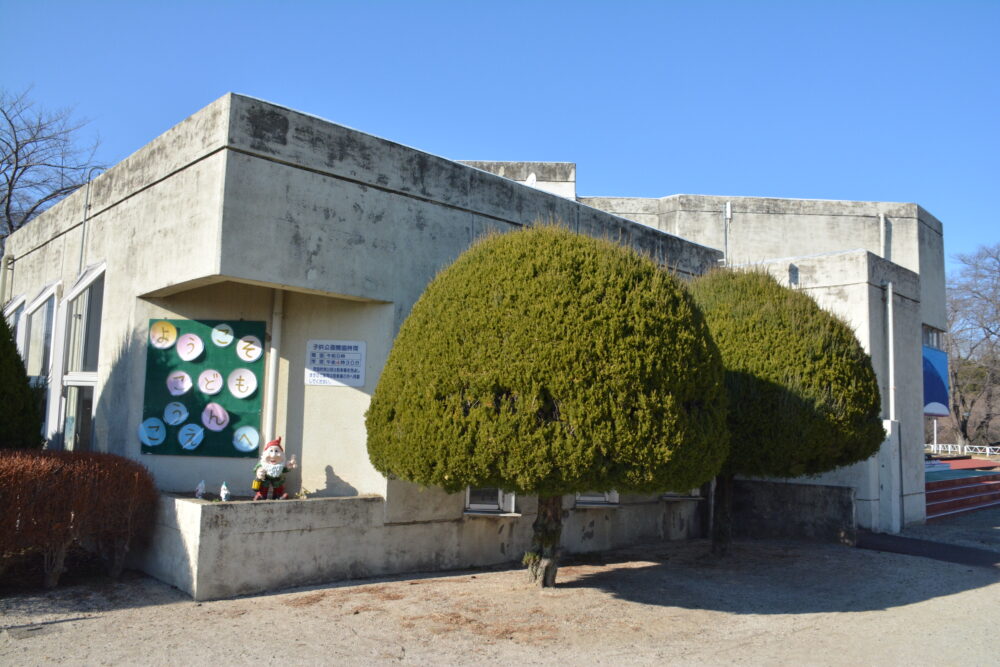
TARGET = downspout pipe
x,y
727,222
86,216
274,354
890,327
5,267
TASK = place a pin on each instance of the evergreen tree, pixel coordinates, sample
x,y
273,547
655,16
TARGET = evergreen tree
x,y
803,398
20,418
545,362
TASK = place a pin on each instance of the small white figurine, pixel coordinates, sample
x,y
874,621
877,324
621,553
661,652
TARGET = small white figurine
x,y
224,493
199,491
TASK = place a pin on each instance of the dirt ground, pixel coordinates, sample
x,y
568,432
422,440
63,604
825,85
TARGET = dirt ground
x,y
769,602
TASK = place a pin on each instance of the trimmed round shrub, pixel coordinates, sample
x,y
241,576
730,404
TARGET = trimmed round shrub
x,y
20,416
803,397
545,362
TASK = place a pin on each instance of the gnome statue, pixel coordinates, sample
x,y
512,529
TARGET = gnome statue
x,y
269,473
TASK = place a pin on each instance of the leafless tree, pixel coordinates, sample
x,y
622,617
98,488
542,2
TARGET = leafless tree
x,y
41,157
973,344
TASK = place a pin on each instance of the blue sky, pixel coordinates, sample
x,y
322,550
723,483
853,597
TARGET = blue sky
x,y
891,101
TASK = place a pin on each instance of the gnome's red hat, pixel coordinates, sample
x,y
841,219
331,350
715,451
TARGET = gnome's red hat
x,y
275,443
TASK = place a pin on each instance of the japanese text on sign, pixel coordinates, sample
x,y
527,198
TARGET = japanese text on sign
x,y
335,363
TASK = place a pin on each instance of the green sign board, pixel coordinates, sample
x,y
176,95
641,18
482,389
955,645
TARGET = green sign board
x,y
204,381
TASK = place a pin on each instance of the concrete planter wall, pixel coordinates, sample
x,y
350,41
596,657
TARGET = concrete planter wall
x,y
215,550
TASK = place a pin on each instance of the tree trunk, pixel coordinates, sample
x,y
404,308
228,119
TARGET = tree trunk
x,y
543,559
54,559
115,557
722,529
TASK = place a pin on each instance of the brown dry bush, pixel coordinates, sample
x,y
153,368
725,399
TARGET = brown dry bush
x,y
52,500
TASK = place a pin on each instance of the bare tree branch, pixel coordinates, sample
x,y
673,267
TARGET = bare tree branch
x,y
973,345
41,159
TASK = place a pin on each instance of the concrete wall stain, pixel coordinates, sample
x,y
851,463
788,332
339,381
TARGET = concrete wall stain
x,y
266,126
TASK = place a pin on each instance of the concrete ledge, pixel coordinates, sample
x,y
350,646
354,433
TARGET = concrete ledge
x,y
215,550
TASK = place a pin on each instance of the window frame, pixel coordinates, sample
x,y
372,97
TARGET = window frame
x,y
48,291
588,499
932,337
60,378
506,502
15,322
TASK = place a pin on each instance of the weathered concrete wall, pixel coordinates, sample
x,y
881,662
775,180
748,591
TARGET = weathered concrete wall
x,y
763,229
204,548
325,426
362,214
559,178
774,510
853,285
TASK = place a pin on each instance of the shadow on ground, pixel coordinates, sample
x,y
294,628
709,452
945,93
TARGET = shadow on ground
x,y
770,577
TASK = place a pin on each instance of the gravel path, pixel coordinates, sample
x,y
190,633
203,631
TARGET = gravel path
x,y
769,602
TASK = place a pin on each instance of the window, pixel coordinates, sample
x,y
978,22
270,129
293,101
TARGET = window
x,y
84,335
39,317
12,313
83,308
933,338
596,498
35,342
488,499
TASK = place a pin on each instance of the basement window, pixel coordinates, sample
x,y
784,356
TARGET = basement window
x,y
673,496
597,499
488,500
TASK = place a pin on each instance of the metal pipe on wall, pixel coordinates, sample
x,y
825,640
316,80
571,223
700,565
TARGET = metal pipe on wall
x,y
86,216
5,263
273,356
891,351
727,221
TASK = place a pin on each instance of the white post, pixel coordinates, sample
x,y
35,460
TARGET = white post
x,y
271,391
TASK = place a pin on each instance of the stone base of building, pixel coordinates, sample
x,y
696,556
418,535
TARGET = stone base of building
x,y
213,550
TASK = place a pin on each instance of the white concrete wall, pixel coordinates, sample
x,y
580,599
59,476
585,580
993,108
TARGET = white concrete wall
x,y
246,197
203,548
763,229
853,286
559,178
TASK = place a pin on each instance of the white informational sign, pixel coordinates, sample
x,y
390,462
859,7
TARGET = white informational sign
x,y
335,363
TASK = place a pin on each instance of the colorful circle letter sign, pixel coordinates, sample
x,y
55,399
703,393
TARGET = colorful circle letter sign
x,y
249,348
246,438
242,383
178,383
175,413
162,335
222,335
152,432
214,417
190,436
210,382
189,347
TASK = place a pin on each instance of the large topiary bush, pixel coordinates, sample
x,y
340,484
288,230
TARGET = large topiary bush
x,y
20,417
544,362
803,398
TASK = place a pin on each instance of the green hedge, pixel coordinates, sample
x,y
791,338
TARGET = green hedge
x,y
803,397
20,417
547,362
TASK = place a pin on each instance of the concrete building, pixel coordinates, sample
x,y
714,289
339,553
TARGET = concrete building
x,y
309,242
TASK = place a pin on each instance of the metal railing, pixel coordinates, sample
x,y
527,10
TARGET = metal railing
x,y
985,450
